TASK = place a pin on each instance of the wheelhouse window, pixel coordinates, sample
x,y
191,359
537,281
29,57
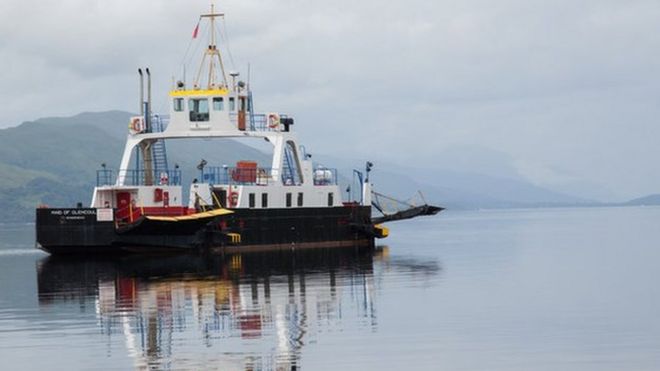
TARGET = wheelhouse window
x,y
219,104
288,200
331,199
199,109
232,104
300,199
264,200
178,104
252,200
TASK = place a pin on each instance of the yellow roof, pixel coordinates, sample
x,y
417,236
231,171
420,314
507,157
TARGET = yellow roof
x,y
198,92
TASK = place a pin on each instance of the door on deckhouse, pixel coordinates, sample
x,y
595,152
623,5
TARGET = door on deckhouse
x,y
123,202
241,114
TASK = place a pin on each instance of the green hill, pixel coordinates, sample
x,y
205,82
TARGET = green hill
x,y
50,161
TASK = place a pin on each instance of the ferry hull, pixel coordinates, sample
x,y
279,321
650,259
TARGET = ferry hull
x,y
80,231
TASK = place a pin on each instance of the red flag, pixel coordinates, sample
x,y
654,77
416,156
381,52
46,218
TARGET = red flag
x,y
196,31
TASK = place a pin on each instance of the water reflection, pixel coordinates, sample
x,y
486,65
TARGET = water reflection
x,y
254,311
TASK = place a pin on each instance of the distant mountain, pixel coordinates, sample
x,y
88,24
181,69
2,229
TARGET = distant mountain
x,y
457,189
53,161
650,200
465,160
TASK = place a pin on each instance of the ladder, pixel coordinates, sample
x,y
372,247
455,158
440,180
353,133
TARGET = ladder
x,y
159,152
288,169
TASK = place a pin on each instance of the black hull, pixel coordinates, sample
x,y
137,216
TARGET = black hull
x,y
78,231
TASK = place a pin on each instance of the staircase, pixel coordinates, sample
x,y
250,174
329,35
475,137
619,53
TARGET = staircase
x,y
159,152
289,173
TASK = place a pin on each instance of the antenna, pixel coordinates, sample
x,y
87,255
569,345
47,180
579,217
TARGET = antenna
x,y
148,105
248,77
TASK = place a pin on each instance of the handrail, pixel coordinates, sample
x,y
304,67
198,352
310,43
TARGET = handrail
x,y
134,177
259,122
211,174
261,176
237,175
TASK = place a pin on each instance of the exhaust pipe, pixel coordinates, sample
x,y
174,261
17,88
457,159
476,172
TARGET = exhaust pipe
x,y
141,92
148,105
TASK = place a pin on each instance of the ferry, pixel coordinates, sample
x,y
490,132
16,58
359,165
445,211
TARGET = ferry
x,y
292,204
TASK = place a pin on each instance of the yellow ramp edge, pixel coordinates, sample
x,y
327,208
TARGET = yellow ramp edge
x,y
381,231
203,215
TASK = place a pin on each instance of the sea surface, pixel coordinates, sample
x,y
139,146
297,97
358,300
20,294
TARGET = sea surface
x,y
543,289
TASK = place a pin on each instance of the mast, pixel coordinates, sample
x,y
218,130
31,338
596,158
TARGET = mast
x,y
213,54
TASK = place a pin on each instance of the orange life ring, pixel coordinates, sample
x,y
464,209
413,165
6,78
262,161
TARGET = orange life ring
x,y
273,120
232,199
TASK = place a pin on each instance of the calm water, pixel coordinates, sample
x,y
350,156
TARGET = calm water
x,y
496,290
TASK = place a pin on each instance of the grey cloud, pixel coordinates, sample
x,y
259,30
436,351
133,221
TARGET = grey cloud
x,y
568,85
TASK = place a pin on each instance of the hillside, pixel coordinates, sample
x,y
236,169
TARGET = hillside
x,y
650,200
53,161
458,189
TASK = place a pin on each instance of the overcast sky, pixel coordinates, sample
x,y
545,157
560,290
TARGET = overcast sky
x,y
567,90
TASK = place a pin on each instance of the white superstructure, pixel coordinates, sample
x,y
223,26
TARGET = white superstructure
x,y
218,108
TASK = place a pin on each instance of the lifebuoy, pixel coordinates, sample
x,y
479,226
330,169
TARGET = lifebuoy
x,y
136,125
273,120
232,199
164,178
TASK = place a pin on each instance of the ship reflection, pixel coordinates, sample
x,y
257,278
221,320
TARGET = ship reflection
x,y
255,311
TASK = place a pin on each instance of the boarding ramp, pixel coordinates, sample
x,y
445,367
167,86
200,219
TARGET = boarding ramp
x,y
391,209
